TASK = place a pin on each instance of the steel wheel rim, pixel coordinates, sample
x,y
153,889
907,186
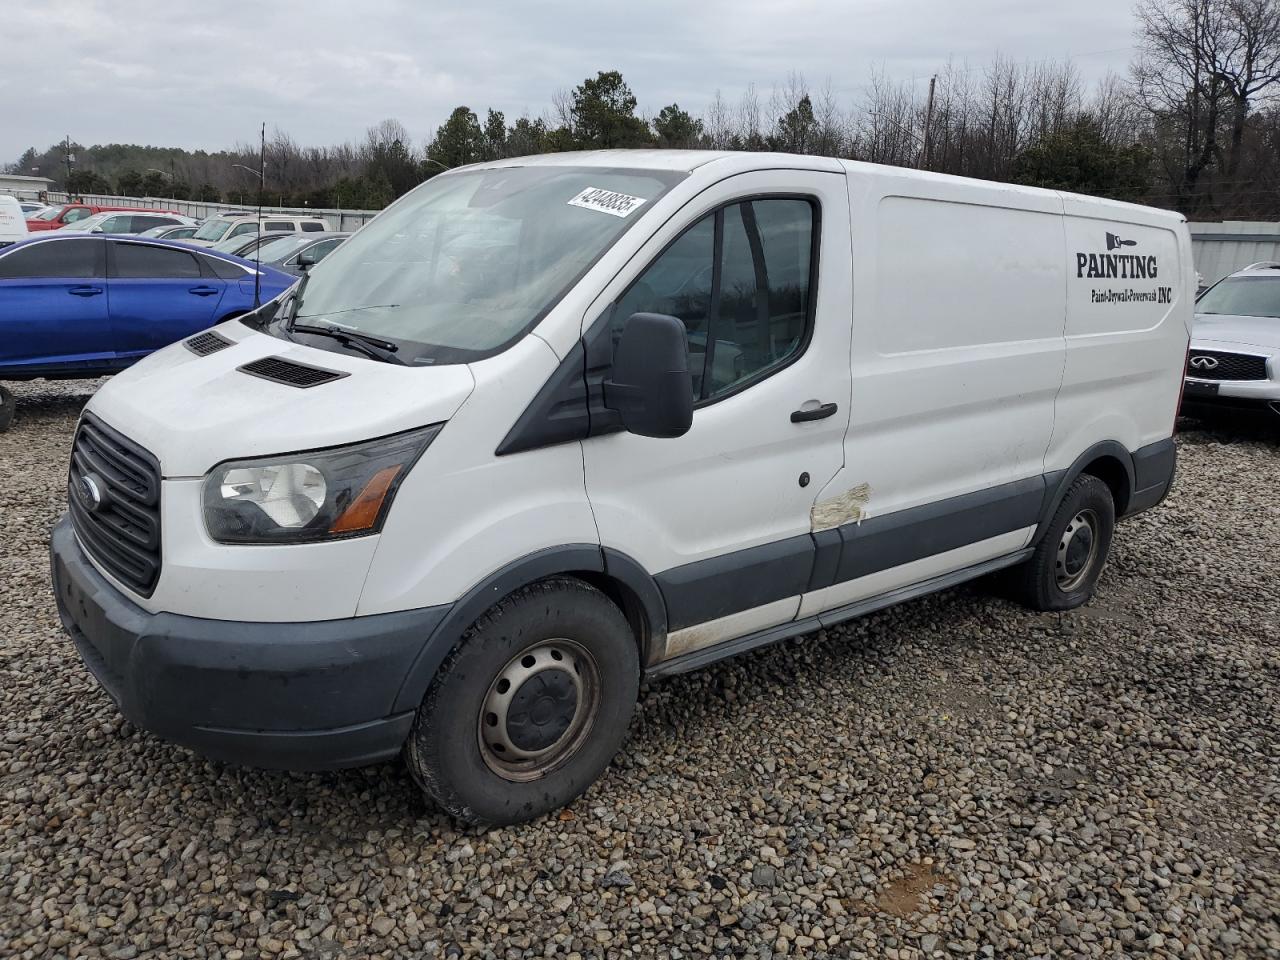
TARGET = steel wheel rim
x,y
543,683
1077,551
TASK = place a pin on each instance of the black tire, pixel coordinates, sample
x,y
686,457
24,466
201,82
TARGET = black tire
x,y
8,407
1049,580
450,751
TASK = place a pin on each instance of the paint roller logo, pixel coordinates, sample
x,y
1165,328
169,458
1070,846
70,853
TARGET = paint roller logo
x,y
1115,243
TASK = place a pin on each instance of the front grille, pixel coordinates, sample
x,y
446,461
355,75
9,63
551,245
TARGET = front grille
x,y
1217,365
290,372
120,526
203,344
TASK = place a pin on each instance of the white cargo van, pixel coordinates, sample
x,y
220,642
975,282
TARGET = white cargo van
x,y
13,222
548,425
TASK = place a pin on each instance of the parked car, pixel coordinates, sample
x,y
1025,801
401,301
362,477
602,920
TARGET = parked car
x,y
226,228
297,252
57,217
1233,364
32,207
282,250
125,223
75,305
183,232
243,244
544,427
13,225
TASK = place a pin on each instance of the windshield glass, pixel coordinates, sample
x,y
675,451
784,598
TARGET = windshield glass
x,y
49,213
278,249
1243,297
88,223
464,265
234,244
212,230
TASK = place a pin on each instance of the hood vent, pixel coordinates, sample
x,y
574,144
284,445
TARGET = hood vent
x,y
203,344
290,372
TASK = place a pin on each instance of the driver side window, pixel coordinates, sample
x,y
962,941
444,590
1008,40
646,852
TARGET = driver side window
x,y
740,281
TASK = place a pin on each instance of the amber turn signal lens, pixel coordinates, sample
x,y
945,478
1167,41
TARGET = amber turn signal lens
x,y
364,509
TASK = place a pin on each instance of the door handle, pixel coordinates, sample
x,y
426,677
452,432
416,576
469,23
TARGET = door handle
x,y
203,291
817,413
85,291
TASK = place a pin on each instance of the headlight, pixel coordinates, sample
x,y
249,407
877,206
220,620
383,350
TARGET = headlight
x,y
318,495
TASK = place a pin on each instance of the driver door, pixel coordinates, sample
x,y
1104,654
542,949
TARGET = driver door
x,y
758,268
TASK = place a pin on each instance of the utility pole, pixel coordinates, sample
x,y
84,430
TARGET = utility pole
x,y
69,157
928,126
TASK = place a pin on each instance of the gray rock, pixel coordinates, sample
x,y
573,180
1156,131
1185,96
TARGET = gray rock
x,y
763,875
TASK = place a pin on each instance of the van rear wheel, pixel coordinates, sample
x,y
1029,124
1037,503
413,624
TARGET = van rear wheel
x,y
8,406
1066,565
531,706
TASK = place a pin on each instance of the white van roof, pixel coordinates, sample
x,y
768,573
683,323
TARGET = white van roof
x,y
686,161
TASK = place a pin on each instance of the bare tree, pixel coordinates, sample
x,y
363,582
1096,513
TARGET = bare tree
x,y
1204,65
719,124
887,128
831,134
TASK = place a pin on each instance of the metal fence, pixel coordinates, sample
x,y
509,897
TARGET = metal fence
x,y
1220,249
337,219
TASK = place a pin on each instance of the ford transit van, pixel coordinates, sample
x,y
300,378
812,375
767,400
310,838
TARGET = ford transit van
x,y
13,225
549,425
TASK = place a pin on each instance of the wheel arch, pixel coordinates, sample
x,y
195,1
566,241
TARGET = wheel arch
x,y
613,573
1109,460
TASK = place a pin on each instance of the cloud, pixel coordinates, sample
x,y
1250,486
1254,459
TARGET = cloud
x,y
187,74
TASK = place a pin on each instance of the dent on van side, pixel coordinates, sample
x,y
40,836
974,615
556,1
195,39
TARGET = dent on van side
x,y
547,425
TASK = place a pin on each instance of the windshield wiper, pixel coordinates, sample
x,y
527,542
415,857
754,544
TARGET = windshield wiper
x,y
334,313
374,347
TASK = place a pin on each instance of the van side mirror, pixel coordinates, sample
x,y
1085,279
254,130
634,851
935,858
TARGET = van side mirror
x,y
650,386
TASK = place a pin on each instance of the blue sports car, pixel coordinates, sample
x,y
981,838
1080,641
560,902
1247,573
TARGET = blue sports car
x,y
83,306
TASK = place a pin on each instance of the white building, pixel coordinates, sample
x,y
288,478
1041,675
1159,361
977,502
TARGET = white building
x,y
1220,249
24,188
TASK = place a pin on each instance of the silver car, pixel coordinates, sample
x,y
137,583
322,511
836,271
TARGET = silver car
x,y
1234,360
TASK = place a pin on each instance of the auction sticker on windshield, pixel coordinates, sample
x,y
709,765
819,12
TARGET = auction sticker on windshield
x,y
606,201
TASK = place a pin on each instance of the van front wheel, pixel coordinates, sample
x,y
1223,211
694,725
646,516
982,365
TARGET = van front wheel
x,y
1066,565
530,707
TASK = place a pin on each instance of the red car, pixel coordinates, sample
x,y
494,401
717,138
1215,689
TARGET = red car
x,y
56,217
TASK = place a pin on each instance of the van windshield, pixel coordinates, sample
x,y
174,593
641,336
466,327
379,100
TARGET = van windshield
x,y
212,230
467,263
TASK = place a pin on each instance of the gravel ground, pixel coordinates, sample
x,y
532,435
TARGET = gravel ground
x,y
954,776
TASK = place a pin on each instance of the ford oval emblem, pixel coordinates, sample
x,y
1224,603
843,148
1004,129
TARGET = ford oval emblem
x,y
90,490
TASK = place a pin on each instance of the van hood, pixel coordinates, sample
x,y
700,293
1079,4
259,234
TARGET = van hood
x,y
193,412
1225,328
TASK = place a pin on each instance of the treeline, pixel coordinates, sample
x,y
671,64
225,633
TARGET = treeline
x,y
1194,126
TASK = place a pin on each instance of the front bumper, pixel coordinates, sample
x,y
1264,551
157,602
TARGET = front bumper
x,y
299,696
1248,397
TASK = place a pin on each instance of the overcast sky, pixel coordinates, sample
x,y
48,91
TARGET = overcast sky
x,y
201,75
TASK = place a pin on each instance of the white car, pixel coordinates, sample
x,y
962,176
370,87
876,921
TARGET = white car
x,y
1234,359
220,228
550,424
124,222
